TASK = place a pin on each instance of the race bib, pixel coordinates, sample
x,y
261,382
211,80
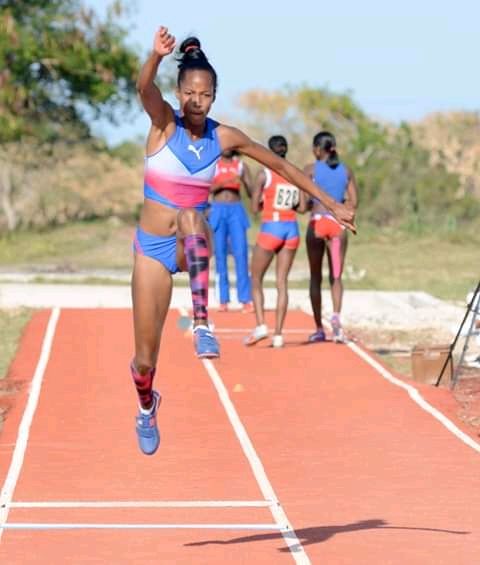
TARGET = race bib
x,y
287,197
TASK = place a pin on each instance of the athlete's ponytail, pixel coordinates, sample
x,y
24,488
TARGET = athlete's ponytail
x,y
326,141
192,58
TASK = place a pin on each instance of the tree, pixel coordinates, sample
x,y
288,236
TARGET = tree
x,y
60,66
453,138
59,62
398,183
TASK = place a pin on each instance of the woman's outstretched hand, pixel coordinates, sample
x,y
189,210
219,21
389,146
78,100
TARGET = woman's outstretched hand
x,y
164,42
345,215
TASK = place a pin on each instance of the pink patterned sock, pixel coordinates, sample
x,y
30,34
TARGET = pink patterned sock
x,y
144,385
196,252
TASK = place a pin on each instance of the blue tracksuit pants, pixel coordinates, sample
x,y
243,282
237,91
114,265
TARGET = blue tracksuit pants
x,y
229,223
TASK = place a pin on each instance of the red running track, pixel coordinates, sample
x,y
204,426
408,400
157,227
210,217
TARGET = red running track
x,y
363,474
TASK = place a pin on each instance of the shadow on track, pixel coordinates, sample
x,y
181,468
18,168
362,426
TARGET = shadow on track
x,y
320,534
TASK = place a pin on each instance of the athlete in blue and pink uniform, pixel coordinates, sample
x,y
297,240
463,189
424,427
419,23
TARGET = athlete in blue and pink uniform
x,y
279,235
326,233
182,150
229,222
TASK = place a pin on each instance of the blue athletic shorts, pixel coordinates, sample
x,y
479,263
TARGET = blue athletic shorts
x,y
275,235
159,247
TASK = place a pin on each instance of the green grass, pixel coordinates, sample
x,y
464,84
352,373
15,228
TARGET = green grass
x,y
442,264
99,244
99,281
445,265
12,323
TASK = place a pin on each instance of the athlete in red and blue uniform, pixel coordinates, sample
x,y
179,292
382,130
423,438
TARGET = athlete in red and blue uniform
x,y
279,235
182,150
325,233
229,222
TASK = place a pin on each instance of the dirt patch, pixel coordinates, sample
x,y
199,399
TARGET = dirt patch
x,y
8,390
467,393
12,324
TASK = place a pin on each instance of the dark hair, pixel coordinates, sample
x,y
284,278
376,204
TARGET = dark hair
x,y
192,58
230,153
326,141
278,144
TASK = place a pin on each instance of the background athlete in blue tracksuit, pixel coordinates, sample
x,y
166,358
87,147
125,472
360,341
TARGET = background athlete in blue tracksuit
x,y
229,222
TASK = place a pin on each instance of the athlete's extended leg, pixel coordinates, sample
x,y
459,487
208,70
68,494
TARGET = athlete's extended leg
x,y
284,263
151,293
315,251
193,254
337,249
261,259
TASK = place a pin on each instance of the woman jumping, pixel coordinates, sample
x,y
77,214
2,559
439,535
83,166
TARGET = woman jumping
x,y
181,153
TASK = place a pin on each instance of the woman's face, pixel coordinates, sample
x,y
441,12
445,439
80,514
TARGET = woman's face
x,y
196,95
280,150
318,152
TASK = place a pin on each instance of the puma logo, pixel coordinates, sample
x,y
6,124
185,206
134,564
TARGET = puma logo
x,y
193,149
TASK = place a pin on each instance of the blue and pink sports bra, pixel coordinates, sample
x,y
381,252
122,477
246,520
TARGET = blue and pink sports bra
x,y
180,174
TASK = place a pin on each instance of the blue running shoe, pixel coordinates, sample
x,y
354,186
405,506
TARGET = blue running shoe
x,y
206,344
317,337
147,430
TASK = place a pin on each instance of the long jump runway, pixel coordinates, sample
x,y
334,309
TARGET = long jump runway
x,y
309,454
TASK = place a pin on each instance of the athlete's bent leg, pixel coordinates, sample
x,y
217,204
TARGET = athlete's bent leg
x,y
193,253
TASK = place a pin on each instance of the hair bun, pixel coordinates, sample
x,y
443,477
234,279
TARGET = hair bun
x,y
190,44
192,58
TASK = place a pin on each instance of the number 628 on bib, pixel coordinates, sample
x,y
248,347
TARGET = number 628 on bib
x,y
287,197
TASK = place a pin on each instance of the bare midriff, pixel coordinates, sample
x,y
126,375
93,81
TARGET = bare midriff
x,y
158,219
226,195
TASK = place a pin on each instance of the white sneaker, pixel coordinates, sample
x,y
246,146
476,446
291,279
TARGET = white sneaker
x,y
338,336
259,333
277,340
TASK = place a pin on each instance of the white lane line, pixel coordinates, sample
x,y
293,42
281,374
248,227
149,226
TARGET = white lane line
x,y
416,397
279,515
24,428
412,392
248,330
146,504
116,526
285,527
